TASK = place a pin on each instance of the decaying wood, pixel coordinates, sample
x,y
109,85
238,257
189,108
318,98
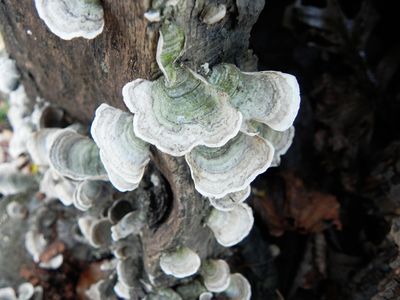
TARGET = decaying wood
x,y
184,225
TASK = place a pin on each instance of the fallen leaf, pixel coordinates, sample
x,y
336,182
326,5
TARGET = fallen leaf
x,y
90,275
296,207
55,248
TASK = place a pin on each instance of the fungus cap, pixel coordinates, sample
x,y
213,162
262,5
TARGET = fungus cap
x,y
69,19
281,140
55,186
216,275
217,172
213,13
38,145
76,156
239,288
231,227
182,262
123,154
88,192
269,97
180,110
9,75
180,118
229,201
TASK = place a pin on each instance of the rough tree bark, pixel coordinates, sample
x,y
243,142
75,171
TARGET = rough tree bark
x,y
79,75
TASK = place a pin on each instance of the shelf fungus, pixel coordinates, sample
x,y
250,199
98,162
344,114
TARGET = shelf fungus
x,y
123,154
36,244
216,275
76,156
9,75
213,13
229,201
26,291
38,145
19,117
128,272
181,263
122,290
239,288
281,140
217,172
180,110
16,210
69,19
206,296
269,97
13,181
20,109
98,290
17,145
88,192
131,223
231,227
152,15
55,186
8,293
96,231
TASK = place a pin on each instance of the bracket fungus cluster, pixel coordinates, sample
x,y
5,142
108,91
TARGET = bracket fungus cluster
x,y
230,126
180,110
183,113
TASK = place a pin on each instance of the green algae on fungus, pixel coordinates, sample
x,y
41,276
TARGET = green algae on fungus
x,y
180,110
269,97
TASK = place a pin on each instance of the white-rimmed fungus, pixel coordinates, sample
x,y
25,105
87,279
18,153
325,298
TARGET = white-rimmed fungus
x,y
123,154
180,263
217,172
69,19
231,227
216,275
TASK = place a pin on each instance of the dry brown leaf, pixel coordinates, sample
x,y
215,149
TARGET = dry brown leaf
x,y
55,248
297,208
89,276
